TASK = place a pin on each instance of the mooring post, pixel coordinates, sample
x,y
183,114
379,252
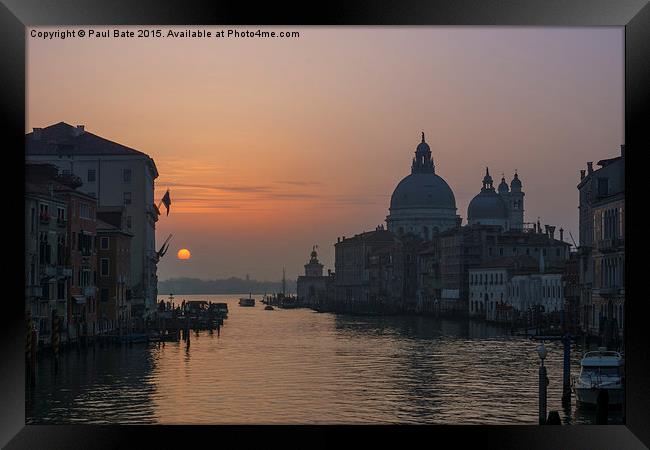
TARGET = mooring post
x,y
566,384
543,382
55,341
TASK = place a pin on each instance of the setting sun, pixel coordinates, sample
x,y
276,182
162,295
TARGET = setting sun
x,y
184,254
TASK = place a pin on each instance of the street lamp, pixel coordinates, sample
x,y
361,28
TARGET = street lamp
x,y
543,382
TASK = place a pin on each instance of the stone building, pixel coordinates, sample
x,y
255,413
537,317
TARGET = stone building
x,y
312,287
46,266
115,175
488,283
113,281
352,291
602,246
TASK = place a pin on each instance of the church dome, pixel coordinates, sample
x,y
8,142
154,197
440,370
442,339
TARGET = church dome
x,y
487,205
422,190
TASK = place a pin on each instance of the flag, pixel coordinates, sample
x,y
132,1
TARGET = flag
x,y
156,208
166,200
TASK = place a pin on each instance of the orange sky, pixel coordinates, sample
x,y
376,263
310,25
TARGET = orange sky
x,y
272,145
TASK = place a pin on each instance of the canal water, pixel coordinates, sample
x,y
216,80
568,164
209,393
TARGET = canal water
x,y
300,366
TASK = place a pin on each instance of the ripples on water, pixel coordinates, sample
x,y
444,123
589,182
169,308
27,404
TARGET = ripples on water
x,y
299,366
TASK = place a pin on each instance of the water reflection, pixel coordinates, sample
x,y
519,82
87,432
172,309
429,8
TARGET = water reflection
x,y
298,366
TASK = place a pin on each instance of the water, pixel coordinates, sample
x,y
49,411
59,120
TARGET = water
x,y
299,366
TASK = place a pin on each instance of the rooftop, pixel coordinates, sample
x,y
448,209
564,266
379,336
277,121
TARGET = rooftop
x,y
64,139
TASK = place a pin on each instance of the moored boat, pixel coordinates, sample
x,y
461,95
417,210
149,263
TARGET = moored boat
x,y
600,369
250,301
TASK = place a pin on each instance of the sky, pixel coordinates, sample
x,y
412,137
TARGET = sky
x,y
270,146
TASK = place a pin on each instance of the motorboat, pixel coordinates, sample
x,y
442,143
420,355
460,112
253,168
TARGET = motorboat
x,y
600,369
269,308
250,301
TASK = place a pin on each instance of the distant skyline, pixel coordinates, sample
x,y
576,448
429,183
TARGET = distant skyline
x,y
270,146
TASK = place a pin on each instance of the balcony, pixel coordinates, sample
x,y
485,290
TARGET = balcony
x,y
33,291
49,271
610,245
63,272
609,291
88,291
45,218
61,223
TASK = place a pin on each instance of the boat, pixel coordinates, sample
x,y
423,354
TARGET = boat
x,y
600,369
250,301
269,308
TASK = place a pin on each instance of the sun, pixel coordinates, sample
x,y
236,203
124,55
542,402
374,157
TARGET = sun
x,y
184,254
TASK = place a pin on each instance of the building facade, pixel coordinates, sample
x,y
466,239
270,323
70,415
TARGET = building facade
x,y
602,247
114,262
46,268
115,175
312,287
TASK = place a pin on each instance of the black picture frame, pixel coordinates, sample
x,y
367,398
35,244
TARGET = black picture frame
x,y
15,15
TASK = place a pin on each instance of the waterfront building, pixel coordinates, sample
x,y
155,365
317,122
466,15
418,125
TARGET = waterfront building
x,y
352,277
543,292
571,283
421,262
422,204
428,286
312,287
115,175
602,246
504,208
46,268
488,296
114,262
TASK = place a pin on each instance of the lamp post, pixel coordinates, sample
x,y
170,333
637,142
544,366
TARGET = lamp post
x,y
543,382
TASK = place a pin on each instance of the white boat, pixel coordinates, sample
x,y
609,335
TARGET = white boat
x,y
601,369
250,301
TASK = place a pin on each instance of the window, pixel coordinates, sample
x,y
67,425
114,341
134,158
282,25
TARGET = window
x,y
91,175
603,186
127,198
84,211
128,222
126,175
60,290
103,295
60,214
103,243
104,267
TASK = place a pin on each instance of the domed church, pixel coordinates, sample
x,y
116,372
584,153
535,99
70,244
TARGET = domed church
x,y
504,208
422,203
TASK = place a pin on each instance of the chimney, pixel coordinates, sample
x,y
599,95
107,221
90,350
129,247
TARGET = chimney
x,y
79,130
37,134
582,174
623,150
590,167
562,234
551,231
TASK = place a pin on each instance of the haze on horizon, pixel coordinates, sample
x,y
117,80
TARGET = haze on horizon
x,y
270,146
